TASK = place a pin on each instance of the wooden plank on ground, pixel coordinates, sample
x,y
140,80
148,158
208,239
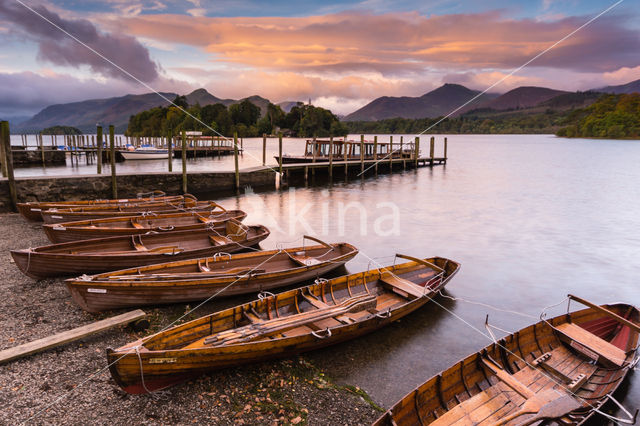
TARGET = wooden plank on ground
x,y
68,336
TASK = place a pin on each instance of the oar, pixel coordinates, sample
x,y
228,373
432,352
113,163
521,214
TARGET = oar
x,y
545,405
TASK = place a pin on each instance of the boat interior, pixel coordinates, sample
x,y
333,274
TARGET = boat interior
x,y
570,363
225,265
314,309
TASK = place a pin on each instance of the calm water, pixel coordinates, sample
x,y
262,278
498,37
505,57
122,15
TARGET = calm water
x,y
531,218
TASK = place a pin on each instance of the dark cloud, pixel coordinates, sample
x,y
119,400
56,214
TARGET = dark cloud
x,y
60,49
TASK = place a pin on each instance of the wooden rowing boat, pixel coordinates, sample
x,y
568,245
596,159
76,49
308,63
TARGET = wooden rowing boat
x,y
197,279
109,254
561,369
130,225
295,321
32,210
133,209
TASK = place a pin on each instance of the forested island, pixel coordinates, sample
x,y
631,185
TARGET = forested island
x,y
244,118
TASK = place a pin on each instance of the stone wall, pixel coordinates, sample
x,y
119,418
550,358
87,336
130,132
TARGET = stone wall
x,y
54,188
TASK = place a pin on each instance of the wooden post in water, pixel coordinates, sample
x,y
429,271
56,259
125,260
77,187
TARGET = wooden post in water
x,y
416,152
235,160
280,154
346,158
375,153
445,150
99,148
331,157
42,150
8,161
313,160
264,149
361,154
170,149
432,148
391,154
404,162
184,162
112,155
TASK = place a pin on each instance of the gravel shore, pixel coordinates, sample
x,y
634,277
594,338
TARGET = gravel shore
x,y
71,385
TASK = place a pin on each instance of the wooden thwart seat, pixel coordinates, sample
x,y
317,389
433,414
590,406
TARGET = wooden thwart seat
x,y
401,284
591,345
136,225
219,240
305,260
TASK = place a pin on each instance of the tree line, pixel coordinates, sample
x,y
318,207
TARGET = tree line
x,y
611,117
244,118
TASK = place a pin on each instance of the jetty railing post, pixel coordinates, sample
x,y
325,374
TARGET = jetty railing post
x,y
264,149
432,149
330,157
112,157
8,162
280,154
235,160
416,152
99,150
170,150
184,162
445,150
375,153
361,154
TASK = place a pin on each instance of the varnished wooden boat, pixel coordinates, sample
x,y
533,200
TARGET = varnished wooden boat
x,y
32,210
565,368
109,254
132,209
294,321
198,279
130,225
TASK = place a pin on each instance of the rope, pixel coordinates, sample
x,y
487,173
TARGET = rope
x,y
486,305
144,385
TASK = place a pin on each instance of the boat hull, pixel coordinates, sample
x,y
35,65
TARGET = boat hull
x,y
67,232
145,155
165,367
45,264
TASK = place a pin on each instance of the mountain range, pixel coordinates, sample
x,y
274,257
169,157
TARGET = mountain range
x,y
439,102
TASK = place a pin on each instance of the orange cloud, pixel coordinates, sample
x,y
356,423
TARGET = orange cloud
x,y
395,43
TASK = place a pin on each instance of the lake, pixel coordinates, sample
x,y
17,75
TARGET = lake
x,y
530,217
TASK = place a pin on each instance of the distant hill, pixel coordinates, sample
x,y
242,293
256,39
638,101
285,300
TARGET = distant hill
x,y
520,98
287,105
631,87
86,114
436,103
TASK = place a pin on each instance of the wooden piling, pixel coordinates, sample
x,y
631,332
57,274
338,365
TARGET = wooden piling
x,y
375,153
184,162
112,157
445,150
8,162
361,154
235,159
391,154
280,154
404,161
330,157
313,160
432,144
42,150
264,149
3,160
99,148
346,158
170,150
416,152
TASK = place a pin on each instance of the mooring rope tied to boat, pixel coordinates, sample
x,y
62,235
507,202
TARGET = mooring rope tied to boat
x,y
486,305
542,371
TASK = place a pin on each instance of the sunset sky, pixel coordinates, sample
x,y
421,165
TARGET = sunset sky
x,y
340,54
